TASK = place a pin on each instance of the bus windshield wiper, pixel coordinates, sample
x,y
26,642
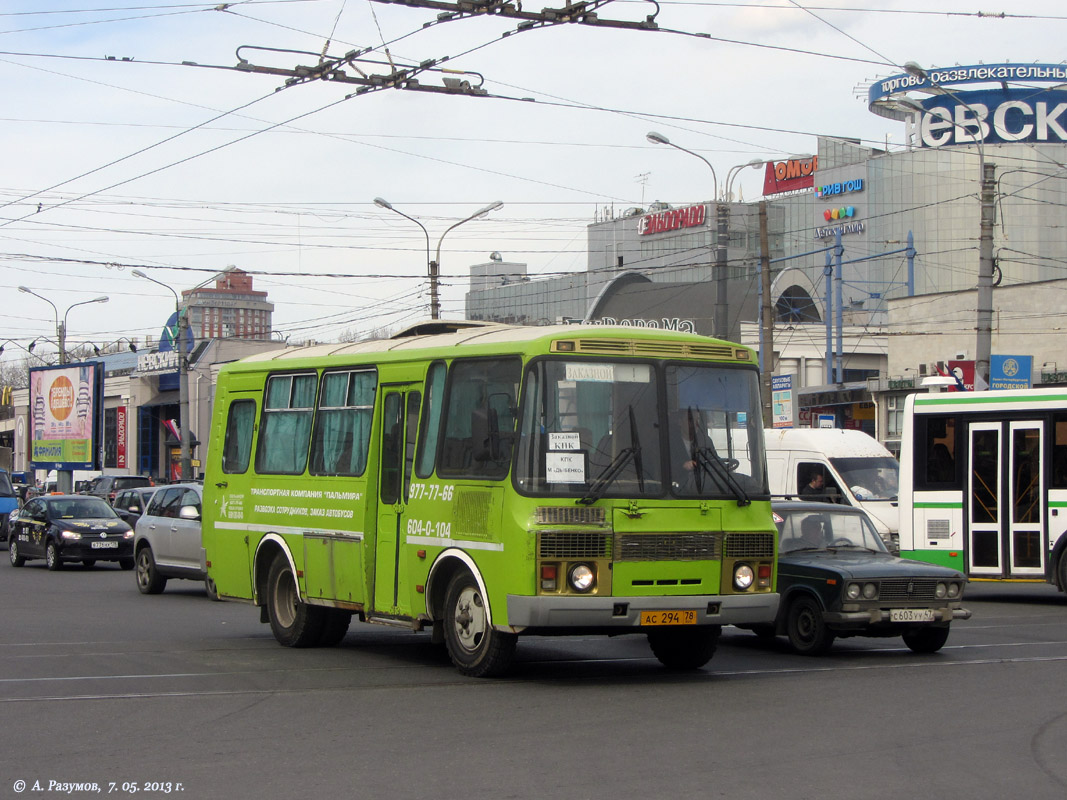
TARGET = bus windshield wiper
x,y
712,463
611,471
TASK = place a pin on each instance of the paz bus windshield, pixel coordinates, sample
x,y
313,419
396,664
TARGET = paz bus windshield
x,y
598,428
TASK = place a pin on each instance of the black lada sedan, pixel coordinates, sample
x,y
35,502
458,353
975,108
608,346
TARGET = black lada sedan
x,y
62,528
836,579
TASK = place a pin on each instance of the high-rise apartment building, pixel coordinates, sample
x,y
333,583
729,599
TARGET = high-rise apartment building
x,y
231,309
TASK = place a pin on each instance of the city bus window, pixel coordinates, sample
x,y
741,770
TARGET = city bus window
x,y
1059,451
237,449
286,426
479,424
343,423
431,420
936,451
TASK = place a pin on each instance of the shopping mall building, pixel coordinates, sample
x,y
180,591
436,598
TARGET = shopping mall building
x,y
859,323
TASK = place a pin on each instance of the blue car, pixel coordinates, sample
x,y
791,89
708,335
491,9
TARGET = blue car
x,y
9,501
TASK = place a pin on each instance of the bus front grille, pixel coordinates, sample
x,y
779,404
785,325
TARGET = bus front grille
x,y
907,589
574,544
748,545
668,547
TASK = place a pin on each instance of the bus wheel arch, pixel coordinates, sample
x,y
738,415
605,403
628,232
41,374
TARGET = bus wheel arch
x,y
1057,563
266,551
444,568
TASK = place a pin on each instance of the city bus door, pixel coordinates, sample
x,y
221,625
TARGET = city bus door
x,y
1006,529
400,421
984,499
1025,515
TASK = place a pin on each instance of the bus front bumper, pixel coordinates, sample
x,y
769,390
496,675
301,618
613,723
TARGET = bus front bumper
x,y
582,611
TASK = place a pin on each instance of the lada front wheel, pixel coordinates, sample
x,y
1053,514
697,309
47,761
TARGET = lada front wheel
x,y
475,647
294,622
926,640
807,632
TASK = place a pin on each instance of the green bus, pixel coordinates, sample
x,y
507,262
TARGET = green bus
x,y
490,481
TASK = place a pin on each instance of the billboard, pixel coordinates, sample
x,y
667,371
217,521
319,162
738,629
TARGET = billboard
x,y
789,176
65,403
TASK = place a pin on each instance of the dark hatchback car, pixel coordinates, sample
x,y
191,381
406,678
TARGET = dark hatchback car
x,y
836,579
108,486
62,528
130,503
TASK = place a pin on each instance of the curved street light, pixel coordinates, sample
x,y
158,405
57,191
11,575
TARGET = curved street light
x,y
182,321
61,327
433,266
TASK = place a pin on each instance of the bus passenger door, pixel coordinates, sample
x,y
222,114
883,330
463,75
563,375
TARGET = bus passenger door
x,y
984,493
1026,495
400,421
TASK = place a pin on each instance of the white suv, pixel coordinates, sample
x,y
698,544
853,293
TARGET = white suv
x,y
167,543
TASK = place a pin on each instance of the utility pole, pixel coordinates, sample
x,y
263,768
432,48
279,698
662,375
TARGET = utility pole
x,y
722,322
766,317
983,342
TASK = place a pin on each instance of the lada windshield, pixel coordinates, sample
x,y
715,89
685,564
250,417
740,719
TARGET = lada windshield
x,y
592,429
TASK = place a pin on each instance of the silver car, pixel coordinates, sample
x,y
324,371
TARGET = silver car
x,y
167,542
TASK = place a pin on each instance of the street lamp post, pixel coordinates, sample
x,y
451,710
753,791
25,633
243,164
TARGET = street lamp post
x,y
64,477
721,324
987,222
183,378
433,265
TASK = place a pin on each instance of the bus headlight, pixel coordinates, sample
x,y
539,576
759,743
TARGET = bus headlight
x,y
743,577
581,578
853,591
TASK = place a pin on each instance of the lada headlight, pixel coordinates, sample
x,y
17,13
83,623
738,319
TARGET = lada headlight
x,y
743,577
852,591
941,591
870,591
953,590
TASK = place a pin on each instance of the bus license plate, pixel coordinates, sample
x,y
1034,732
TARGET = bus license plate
x,y
103,545
911,615
668,618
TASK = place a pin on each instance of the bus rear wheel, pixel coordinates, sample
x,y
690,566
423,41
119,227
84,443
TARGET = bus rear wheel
x,y
475,647
684,648
293,622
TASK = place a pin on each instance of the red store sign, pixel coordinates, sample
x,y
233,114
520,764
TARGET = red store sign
x,y
672,220
790,176
120,437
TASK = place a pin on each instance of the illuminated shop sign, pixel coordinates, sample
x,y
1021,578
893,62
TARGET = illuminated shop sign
x,y
842,187
955,76
998,116
672,220
830,214
790,176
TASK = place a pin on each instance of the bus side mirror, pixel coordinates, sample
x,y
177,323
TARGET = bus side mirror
x,y
485,435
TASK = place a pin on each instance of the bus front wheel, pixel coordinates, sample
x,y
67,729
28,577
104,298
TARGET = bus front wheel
x,y
475,647
293,622
684,648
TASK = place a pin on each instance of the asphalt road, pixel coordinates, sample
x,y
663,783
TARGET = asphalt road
x,y
175,694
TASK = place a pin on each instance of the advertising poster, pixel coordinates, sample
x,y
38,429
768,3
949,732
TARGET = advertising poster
x,y
782,413
64,404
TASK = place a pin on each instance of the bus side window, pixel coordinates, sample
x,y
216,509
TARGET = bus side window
x,y
482,392
1059,451
431,420
237,447
343,423
285,430
936,448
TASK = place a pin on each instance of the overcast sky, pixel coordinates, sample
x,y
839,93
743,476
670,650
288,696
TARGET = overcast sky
x,y
117,156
